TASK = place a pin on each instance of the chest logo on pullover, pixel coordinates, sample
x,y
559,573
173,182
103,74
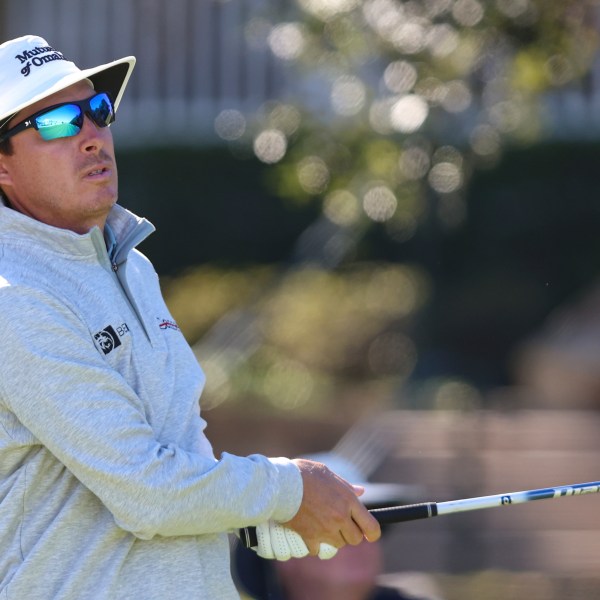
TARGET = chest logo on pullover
x,y
167,324
108,338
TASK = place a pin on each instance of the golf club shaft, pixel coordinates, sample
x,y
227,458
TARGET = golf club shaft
x,y
424,510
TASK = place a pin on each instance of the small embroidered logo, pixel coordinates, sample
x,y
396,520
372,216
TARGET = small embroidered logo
x,y
107,339
166,324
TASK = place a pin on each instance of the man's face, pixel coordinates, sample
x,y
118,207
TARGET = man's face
x,y
70,182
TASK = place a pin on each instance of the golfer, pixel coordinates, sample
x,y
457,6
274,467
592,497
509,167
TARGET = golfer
x,y
109,488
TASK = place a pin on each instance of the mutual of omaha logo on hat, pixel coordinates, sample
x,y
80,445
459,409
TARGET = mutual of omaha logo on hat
x,y
38,57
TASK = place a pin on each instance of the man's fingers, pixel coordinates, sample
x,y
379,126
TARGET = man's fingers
x,y
279,542
331,511
298,548
263,536
352,534
337,540
327,551
367,523
359,490
313,547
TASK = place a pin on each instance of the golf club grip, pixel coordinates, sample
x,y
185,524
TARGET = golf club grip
x,y
409,512
384,516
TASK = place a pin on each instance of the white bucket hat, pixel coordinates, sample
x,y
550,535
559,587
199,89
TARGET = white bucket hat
x,y
30,70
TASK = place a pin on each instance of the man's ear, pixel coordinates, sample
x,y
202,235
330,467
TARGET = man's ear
x,y
5,178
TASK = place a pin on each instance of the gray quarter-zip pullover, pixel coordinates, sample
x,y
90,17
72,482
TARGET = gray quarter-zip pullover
x,y
109,489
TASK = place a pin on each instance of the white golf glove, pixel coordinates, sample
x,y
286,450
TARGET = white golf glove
x,y
281,543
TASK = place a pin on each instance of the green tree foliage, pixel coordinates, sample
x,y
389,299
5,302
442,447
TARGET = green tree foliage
x,y
398,99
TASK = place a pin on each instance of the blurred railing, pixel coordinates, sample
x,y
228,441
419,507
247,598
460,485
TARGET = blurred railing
x,y
199,57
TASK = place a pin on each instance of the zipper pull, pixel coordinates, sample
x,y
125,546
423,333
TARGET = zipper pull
x,y
115,267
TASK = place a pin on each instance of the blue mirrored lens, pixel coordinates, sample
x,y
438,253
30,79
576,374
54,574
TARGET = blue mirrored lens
x,y
101,110
64,121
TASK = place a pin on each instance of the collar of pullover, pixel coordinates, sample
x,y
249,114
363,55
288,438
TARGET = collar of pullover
x,y
128,228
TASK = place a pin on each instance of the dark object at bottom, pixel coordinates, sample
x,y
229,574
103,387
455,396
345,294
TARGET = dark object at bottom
x,y
256,577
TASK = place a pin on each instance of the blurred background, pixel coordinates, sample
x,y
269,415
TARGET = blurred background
x,y
380,219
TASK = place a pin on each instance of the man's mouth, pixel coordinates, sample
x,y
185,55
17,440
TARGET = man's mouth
x,y
98,172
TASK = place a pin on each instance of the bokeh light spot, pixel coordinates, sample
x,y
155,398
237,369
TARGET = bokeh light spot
x,y
342,208
348,95
448,154
288,384
285,117
409,38
505,115
414,163
327,9
313,174
270,146
467,12
400,76
457,98
230,124
384,16
380,203
485,141
454,394
442,40
445,177
287,40
395,291
432,89
380,116
409,113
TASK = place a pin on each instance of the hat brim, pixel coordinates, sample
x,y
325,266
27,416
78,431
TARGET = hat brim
x,y
111,77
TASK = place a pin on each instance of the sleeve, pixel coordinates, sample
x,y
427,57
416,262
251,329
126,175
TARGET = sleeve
x,y
58,386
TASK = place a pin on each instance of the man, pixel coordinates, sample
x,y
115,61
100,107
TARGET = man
x,y
108,486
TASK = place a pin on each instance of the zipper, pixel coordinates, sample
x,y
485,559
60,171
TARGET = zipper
x,y
138,234
130,301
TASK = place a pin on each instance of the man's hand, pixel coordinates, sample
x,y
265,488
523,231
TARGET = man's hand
x,y
330,511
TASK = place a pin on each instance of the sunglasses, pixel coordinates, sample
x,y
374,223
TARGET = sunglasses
x,y
66,119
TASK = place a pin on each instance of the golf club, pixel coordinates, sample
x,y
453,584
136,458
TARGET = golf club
x,y
424,510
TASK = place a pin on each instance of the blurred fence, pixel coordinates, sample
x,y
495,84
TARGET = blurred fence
x,y
199,57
